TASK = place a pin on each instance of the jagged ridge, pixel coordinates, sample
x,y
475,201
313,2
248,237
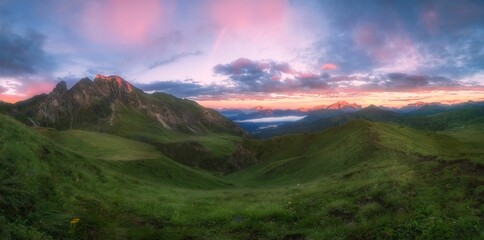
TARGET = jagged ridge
x,y
96,105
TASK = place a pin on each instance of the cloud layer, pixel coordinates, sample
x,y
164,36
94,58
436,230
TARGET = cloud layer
x,y
268,76
245,76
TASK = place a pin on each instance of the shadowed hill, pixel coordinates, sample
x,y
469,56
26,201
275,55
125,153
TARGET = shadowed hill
x,y
305,157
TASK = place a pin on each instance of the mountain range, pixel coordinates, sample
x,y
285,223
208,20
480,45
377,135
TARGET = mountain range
x,y
420,114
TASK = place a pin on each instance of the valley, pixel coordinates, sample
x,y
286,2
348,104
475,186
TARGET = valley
x,y
136,179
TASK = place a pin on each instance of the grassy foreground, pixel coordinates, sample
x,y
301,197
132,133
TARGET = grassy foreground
x,y
361,181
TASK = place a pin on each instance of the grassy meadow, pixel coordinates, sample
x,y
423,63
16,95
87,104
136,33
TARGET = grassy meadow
x,y
361,180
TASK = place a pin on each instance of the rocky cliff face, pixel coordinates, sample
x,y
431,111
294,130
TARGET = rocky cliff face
x,y
98,105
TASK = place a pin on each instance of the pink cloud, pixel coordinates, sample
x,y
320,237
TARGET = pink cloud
x,y
248,16
123,21
329,66
307,75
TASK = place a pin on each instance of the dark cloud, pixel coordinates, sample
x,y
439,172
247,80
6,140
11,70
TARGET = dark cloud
x,y
243,66
187,88
268,76
22,54
174,58
402,81
393,82
405,81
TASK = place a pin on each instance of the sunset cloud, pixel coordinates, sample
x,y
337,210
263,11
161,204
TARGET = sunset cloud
x,y
121,21
329,66
249,16
248,52
246,77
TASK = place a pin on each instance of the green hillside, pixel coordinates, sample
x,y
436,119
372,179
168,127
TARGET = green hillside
x,y
43,186
361,180
205,150
102,146
305,157
300,158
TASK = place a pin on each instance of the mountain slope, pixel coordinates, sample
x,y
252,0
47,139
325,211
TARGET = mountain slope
x,y
112,105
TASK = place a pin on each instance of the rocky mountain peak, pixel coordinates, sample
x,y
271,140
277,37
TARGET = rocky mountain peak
x,y
344,105
112,82
83,84
60,88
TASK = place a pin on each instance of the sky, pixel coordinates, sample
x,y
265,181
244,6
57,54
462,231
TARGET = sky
x,y
246,53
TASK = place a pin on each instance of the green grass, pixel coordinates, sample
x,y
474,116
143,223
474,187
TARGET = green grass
x,y
302,158
102,146
204,150
305,157
361,180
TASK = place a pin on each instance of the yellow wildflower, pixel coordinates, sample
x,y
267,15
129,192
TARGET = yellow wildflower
x,y
75,220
